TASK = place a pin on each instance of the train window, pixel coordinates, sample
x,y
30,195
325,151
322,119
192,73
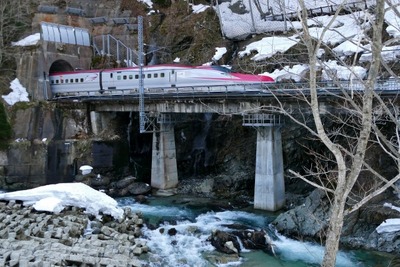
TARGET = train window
x,y
111,75
118,77
66,80
220,68
130,76
56,81
124,77
81,80
52,81
76,80
155,75
71,81
149,75
62,81
162,75
136,76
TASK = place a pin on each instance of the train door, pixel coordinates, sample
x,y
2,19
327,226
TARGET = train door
x,y
172,78
111,80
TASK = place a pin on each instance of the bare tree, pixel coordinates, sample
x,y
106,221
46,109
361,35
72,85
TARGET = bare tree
x,y
345,161
15,19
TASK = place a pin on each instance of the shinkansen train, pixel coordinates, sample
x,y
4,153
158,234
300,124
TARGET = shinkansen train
x,y
156,79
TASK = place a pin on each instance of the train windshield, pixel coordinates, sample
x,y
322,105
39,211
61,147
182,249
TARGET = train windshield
x,y
220,68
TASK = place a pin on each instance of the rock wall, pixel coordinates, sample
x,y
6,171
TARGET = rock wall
x,y
51,142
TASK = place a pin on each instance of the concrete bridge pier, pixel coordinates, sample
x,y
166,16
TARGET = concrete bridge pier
x,y
269,188
100,121
164,172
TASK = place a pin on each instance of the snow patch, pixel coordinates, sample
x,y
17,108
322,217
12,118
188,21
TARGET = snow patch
x,y
55,197
18,94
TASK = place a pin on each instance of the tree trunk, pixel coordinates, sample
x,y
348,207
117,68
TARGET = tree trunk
x,y
334,231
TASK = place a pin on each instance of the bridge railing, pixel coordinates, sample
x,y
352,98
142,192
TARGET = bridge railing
x,y
262,119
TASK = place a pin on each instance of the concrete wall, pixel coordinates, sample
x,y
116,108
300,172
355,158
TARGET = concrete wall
x,y
35,62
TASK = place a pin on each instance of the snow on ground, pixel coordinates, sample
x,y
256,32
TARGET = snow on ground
x,y
55,197
389,225
344,27
18,94
199,8
392,19
341,72
295,73
149,3
269,46
219,52
28,41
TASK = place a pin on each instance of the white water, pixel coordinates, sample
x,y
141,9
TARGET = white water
x,y
293,250
190,248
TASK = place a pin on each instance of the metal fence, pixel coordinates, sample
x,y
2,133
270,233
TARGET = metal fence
x,y
107,45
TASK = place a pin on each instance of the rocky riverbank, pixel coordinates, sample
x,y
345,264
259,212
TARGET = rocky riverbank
x,y
71,238
308,219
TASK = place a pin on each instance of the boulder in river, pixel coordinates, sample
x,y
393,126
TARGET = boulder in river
x,y
225,242
231,242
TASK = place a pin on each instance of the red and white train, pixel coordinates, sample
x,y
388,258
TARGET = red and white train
x,y
156,79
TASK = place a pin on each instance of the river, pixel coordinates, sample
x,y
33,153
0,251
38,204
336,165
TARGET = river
x,y
195,219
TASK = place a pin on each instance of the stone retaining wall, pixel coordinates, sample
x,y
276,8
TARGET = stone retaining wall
x,y
31,238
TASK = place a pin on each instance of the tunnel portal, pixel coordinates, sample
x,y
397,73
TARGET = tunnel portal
x,y
60,66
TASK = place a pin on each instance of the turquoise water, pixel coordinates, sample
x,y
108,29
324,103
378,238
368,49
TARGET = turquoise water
x,y
195,219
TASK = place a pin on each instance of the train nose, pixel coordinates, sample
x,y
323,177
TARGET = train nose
x,y
265,78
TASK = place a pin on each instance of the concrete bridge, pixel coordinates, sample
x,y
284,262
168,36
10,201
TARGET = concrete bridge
x,y
162,114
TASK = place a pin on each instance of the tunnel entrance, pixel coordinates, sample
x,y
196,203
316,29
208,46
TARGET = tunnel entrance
x,y
60,66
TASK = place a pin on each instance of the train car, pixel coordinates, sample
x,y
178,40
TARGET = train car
x,y
156,79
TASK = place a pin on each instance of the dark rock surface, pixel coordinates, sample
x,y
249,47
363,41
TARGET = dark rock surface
x,y
225,242
124,187
309,221
306,220
228,242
